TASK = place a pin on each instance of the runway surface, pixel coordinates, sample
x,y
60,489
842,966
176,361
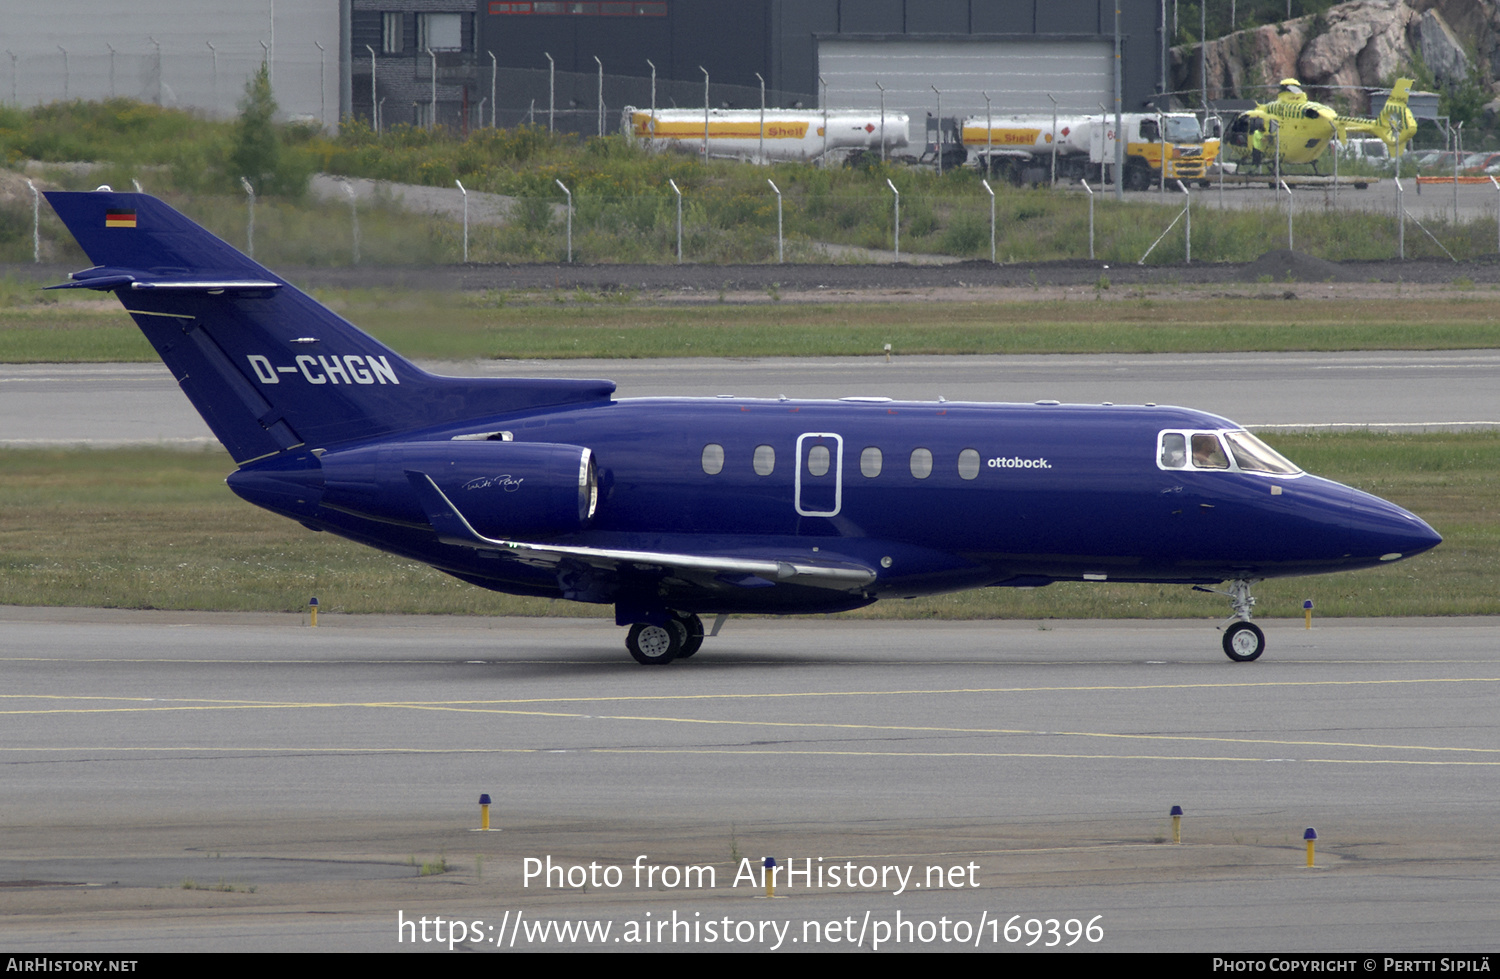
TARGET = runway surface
x,y
139,404
179,781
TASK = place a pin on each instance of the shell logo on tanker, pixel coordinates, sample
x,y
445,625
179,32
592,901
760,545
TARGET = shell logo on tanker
x,y
786,130
1018,137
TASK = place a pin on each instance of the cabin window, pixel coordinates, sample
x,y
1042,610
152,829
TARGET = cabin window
x,y
817,460
870,461
765,460
968,463
713,458
921,463
1208,453
1173,450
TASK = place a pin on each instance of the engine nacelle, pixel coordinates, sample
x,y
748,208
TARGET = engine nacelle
x,y
504,489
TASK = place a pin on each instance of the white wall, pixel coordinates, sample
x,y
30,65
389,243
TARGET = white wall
x,y
32,31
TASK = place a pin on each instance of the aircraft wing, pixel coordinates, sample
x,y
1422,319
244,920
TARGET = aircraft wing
x,y
454,528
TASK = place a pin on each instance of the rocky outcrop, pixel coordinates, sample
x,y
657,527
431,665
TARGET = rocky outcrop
x,y
1351,47
1441,50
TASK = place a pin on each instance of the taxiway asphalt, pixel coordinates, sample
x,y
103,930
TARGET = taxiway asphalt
x,y
139,404
299,778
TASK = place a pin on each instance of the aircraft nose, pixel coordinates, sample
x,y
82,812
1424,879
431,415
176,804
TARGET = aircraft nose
x,y
1383,531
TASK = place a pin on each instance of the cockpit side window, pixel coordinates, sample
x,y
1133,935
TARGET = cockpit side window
x,y
1173,450
1208,453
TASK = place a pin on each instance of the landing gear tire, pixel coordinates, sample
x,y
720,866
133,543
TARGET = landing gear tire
x,y
689,630
653,645
1244,642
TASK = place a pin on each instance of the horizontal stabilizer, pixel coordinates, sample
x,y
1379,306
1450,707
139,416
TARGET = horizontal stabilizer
x,y
108,279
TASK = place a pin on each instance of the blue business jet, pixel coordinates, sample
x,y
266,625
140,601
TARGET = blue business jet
x,y
671,509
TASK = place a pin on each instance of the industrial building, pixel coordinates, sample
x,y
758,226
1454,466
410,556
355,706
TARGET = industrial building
x,y
576,63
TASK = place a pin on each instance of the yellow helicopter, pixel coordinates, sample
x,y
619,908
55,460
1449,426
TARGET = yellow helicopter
x,y
1300,129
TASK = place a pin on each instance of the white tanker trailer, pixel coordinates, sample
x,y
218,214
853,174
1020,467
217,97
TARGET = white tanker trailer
x,y
787,134
1021,147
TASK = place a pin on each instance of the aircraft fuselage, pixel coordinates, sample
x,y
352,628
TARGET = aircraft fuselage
x,y
929,496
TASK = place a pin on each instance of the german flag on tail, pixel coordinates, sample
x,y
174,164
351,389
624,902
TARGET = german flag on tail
x,y
119,219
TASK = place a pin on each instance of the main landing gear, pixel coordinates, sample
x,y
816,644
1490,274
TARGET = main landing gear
x,y
657,645
1243,640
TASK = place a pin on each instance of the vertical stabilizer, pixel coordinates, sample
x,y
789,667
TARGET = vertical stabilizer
x,y
266,365
1396,118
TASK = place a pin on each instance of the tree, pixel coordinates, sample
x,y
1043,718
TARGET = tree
x,y
257,146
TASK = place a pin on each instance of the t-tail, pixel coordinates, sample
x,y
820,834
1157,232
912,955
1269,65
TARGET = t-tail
x,y
267,366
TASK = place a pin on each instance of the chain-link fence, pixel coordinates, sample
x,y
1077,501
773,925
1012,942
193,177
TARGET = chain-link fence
x,y
737,222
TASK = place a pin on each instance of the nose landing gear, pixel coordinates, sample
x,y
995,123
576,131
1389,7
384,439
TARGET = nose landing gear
x,y
1243,640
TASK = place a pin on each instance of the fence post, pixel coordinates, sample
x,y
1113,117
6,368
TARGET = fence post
x,y
1497,215
679,217
36,223
705,113
939,117
1401,220
601,95
761,150
250,227
374,113
897,233
992,218
1188,209
1091,217
466,219
779,258
1289,245
1054,132
551,89
565,190
353,220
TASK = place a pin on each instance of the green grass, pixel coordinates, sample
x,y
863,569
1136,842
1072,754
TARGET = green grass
x,y
624,325
158,529
609,330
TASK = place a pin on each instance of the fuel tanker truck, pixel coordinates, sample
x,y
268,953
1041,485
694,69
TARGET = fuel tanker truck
x,y
786,135
1020,148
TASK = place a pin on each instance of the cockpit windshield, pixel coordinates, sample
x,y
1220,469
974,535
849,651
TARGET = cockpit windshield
x,y
1253,455
1183,129
1205,450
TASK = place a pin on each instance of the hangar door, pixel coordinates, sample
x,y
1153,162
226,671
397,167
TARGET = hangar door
x,y
1017,74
